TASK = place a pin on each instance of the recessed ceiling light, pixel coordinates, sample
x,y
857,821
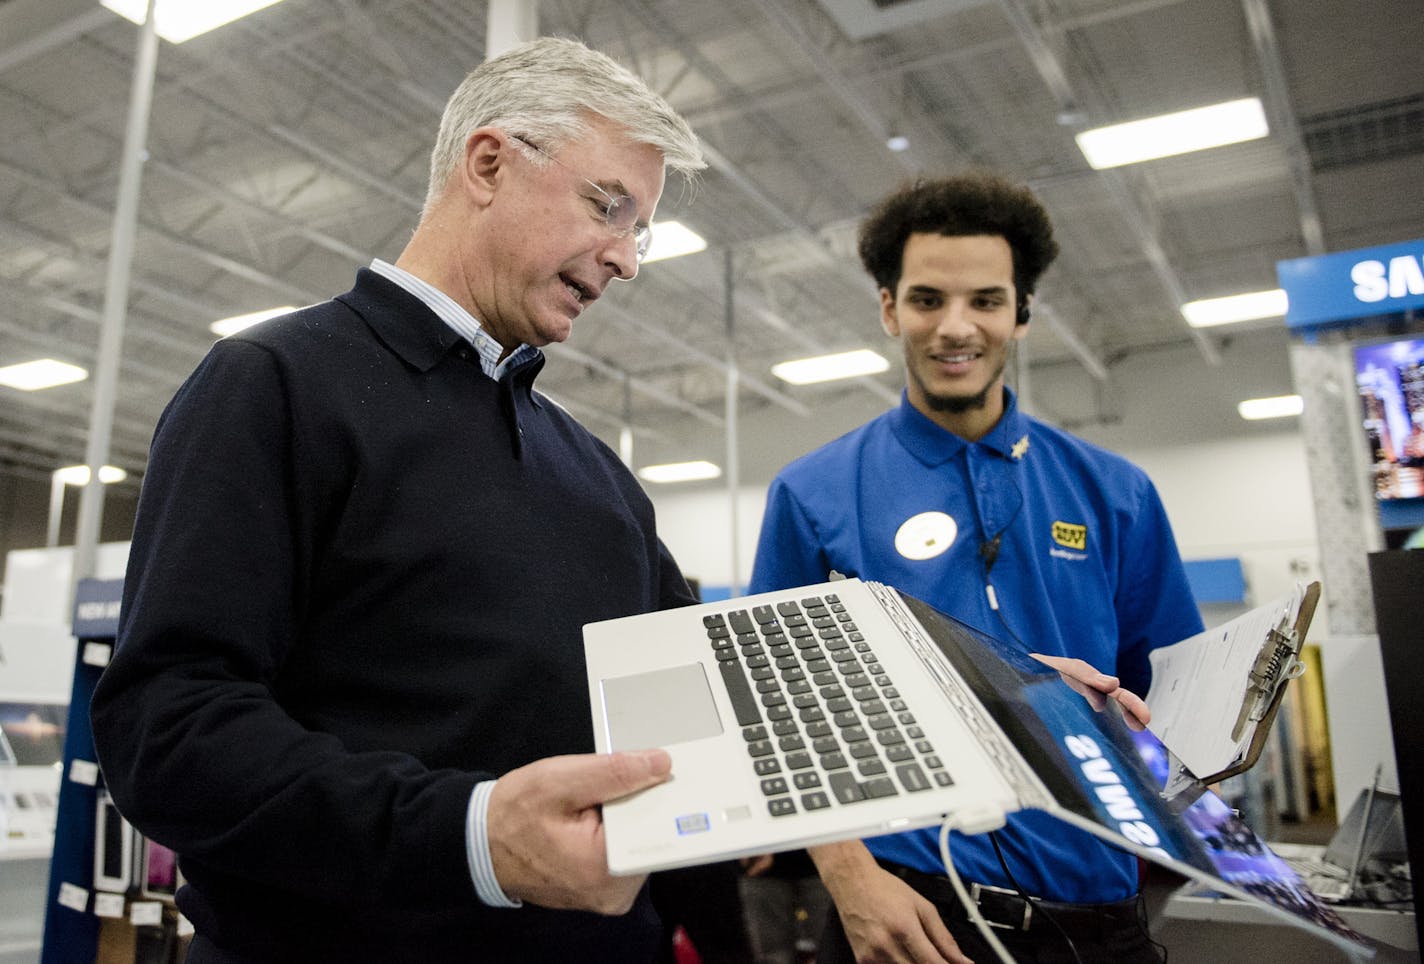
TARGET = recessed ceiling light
x,y
1178,133
229,326
1233,308
825,368
679,472
673,239
179,20
897,143
32,376
1279,406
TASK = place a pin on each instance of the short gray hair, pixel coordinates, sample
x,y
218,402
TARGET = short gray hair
x,y
544,90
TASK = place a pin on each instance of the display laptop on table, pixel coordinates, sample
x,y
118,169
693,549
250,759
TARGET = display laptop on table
x,y
847,710
1371,830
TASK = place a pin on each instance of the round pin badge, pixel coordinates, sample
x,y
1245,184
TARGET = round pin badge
x,y
926,535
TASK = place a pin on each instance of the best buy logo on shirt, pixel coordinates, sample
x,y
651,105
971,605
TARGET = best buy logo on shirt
x,y
1070,535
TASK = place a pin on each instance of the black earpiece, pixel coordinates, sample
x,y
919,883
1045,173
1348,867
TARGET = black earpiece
x,y
1022,317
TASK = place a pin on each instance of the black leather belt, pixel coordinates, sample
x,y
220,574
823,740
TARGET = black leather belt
x,y
1005,909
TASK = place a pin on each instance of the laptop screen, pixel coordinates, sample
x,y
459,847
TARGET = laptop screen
x,y
1382,839
1098,769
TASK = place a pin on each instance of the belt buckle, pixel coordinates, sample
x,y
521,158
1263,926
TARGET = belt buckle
x,y
977,891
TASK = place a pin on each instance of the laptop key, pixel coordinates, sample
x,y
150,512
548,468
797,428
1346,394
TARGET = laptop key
x,y
880,787
766,766
760,748
799,760
846,787
806,780
912,778
815,801
744,705
774,786
781,806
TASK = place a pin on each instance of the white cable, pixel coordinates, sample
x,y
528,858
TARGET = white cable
x,y
990,937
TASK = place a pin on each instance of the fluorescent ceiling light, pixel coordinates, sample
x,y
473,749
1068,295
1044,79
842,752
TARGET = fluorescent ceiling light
x,y
673,239
1277,407
1168,134
79,474
228,326
825,368
679,472
42,373
1234,308
897,143
179,20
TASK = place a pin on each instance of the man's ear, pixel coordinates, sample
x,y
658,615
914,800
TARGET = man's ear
x,y
487,152
888,319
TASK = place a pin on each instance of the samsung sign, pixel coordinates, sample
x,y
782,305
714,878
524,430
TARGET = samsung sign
x,y
1335,288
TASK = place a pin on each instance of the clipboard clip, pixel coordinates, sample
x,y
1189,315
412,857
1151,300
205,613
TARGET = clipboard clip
x,y
1275,664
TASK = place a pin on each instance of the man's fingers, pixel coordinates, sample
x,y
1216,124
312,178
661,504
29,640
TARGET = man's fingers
x,y
589,779
1134,707
1080,670
940,937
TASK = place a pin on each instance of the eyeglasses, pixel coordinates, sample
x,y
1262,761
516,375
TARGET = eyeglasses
x,y
618,211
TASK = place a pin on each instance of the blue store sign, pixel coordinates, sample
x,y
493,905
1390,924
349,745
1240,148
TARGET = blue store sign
x,y
96,608
1349,285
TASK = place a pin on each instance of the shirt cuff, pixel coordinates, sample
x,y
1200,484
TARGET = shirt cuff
x,y
477,850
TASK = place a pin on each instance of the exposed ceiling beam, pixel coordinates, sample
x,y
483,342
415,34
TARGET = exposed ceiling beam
x,y
1281,112
1073,100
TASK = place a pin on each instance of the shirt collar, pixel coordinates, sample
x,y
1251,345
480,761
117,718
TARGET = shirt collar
x,y
458,319
934,445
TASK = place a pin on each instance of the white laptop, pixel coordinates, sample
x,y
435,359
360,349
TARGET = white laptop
x,y
848,709
1371,831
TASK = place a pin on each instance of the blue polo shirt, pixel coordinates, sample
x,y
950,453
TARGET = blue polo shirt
x,y
1085,566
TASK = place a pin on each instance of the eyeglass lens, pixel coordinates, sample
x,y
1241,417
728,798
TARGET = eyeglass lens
x,y
621,212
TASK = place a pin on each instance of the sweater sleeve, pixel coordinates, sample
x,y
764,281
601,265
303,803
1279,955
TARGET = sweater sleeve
x,y
193,738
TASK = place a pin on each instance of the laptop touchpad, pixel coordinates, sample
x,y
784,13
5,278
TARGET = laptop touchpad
x,y
659,708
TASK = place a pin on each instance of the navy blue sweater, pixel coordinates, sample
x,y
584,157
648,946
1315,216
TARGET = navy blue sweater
x,y
358,577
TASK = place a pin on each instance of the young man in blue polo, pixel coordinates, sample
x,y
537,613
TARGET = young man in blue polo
x,y
1015,527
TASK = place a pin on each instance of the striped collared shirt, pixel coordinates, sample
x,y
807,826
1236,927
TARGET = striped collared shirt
x,y
460,321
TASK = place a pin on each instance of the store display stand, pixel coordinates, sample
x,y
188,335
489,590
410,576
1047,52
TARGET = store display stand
x,y
85,923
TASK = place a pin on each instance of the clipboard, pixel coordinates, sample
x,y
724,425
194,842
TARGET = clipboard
x,y
1215,695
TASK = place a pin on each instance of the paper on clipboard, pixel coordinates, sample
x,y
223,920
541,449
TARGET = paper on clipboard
x,y
1212,692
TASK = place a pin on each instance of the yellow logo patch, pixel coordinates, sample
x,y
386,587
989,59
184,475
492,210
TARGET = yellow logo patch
x,y
1070,535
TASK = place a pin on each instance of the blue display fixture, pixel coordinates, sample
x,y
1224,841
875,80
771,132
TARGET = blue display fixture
x,y
71,932
1346,286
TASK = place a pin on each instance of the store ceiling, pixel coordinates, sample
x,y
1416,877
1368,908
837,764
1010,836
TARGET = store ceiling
x,y
291,146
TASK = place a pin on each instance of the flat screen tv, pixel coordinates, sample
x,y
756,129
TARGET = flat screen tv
x,y
1390,379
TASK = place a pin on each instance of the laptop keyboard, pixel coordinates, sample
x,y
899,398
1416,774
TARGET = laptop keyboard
x,y
822,720
1325,880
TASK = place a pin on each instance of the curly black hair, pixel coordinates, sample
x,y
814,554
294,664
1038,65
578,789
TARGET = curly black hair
x,y
977,202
